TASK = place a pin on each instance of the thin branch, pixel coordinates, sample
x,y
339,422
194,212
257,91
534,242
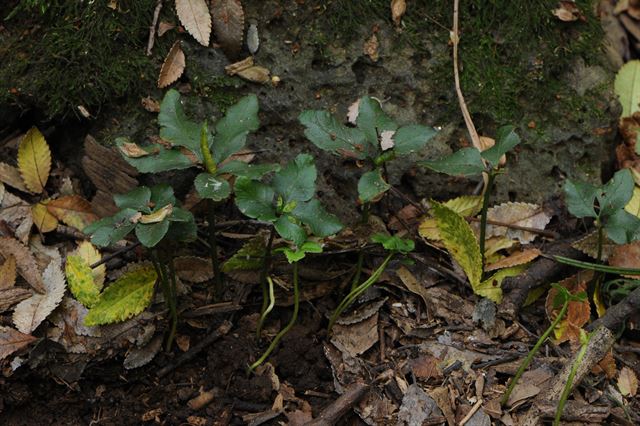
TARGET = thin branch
x,y
152,28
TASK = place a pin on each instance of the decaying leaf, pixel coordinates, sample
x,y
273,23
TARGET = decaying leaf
x,y
607,365
412,284
31,312
193,269
426,367
228,25
386,139
16,214
253,39
80,280
8,273
589,246
467,205
491,288
157,216
520,214
163,27
12,340
357,338
256,74
196,19
172,67
398,9
567,11
137,357
577,313
11,176
626,256
25,262
518,258
44,221
133,150
370,48
73,210
150,104
34,160
627,382
91,255
236,67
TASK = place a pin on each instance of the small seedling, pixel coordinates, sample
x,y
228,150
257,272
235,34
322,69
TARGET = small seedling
x,y
153,214
393,245
471,162
562,299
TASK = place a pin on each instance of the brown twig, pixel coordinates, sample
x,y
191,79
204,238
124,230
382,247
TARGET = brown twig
x,y
115,254
543,232
331,414
152,28
617,314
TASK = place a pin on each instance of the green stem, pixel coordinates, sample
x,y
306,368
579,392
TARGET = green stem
x,y
533,351
595,266
169,296
600,240
353,295
485,209
294,317
269,308
567,387
364,219
174,302
266,263
217,274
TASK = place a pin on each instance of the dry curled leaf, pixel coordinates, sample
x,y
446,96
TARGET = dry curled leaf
x,y
150,104
30,313
25,262
627,382
577,313
520,214
256,74
370,48
11,176
193,269
228,25
398,9
73,210
515,259
172,67
196,19
12,340
132,150
15,213
34,160
626,256
236,67
163,27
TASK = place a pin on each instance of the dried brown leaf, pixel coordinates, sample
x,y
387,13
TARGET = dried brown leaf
x,y
16,214
520,214
11,296
589,246
398,9
11,176
73,210
8,273
256,74
150,104
25,262
172,67
196,19
627,382
515,259
236,67
193,269
370,48
577,314
163,27
626,256
607,365
356,339
426,367
228,25
12,340
132,150
137,357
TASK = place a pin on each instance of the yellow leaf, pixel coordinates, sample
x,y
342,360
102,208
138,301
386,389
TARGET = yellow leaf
x,y
80,280
601,308
8,273
429,229
34,160
494,244
467,205
91,255
157,216
491,288
518,258
45,221
633,206
73,210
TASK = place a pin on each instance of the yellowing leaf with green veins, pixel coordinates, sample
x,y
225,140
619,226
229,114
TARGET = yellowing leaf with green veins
x,y
129,295
495,244
80,281
491,288
73,210
91,255
44,221
460,242
34,160
467,205
157,216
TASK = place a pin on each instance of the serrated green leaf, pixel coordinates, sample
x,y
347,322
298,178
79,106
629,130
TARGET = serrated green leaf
x,y
314,215
137,199
372,120
288,229
371,186
161,160
251,171
297,255
506,140
212,187
327,133
297,180
232,129
622,227
580,198
412,138
627,87
460,242
393,243
465,162
161,195
109,230
80,280
491,288
255,199
150,234
129,295
616,193
175,127
248,258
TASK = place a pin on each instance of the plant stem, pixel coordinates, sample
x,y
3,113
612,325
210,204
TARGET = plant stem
x,y
217,274
600,240
169,297
533,351
174,302
567,387
594,266
285,330
266,263
364,219
485,208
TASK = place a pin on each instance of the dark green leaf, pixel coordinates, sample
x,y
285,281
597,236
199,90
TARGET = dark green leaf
x,y
160,161
313,214
232,129
111,229
186,231
180,215
293,256
622,227
506,140
249,257
616,193
150,234
175,126
327,133
297,180
580,198
255,199
137,199
409,139
465,162
212,187
371,185
372,120
251,171
393,243
289,230
161,195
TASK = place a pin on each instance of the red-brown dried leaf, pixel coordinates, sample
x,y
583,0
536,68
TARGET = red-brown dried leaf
x,y
12,340
626,256
172,67
577,314
228,25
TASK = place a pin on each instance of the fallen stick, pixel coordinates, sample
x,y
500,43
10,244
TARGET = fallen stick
x,y
617,314
152,28
338,408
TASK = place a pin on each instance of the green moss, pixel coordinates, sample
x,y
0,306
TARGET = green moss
x,y
75,53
